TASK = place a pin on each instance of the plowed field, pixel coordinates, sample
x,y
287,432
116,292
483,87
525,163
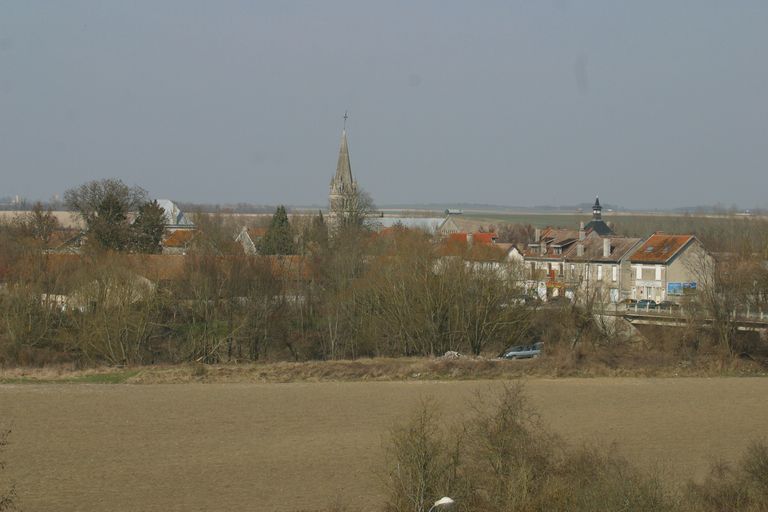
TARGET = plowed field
x,y
301,446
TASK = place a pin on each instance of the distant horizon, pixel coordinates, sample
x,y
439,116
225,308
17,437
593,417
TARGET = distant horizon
x,y
584,208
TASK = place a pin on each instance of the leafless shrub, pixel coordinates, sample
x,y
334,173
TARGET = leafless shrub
x,y
7,490
743,487
505,460
422,462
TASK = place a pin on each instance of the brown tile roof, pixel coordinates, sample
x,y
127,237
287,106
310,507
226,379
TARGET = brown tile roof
x,y
660,248
179,238
256,233
554,238
593,248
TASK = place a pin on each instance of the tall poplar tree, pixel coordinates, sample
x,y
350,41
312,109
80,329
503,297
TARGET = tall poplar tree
x,y
279,236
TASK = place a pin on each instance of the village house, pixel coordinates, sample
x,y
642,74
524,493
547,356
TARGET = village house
x,y
667,267
591,262
570,263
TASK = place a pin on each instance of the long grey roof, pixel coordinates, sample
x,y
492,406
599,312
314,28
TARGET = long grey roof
x,y
429,224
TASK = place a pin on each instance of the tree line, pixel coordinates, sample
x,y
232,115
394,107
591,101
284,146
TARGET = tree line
x,y
317,290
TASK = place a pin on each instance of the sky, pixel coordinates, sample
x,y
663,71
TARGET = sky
x,y
653,104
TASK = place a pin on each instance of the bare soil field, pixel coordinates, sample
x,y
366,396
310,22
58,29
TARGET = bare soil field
x,y
303,445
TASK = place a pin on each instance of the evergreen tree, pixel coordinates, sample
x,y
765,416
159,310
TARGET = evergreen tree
x,y
110,227
148,228
279,236
316,236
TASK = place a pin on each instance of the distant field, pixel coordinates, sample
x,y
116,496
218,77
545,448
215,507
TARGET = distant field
x,y
66,219
626,223
300,446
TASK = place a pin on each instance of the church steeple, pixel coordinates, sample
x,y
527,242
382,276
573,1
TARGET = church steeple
x,y
343,177
597,210
343,185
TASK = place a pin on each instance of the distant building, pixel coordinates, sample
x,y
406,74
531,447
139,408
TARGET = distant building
x,y
433,225
597,224
567,262
178,241
174,217
249,238
666,267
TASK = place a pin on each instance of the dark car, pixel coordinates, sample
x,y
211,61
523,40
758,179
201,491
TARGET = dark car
x,y
646,304
523,351
668,305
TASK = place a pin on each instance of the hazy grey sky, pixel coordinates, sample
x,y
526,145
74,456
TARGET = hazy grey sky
x,y
650,104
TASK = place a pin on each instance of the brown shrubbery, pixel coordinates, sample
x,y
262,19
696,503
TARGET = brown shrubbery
x,y
503,459
7,490
354,296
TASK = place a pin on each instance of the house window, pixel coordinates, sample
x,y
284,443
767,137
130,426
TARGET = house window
x,y
599,272
615,273
658,272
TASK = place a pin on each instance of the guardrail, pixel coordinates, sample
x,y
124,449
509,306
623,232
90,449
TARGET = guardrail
x,y
679,311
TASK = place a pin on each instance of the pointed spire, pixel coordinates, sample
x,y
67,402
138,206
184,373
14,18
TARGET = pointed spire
x,y
343,168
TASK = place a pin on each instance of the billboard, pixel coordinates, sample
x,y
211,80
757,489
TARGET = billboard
x,y
680,288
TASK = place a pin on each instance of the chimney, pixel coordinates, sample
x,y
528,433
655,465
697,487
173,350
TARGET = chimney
x,y
582,233
606,247
580,250
537,235
543,247
469,238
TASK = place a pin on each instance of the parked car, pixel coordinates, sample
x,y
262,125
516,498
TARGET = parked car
x,y
628,302
668,305
523,351
646,304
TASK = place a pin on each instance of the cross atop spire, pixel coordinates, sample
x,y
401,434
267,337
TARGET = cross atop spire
x,y
345,120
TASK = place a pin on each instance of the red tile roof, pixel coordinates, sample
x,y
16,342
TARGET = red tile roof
x,y
457,237
179,238
484,238
660,248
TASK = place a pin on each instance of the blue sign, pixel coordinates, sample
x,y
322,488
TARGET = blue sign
x,y
674,288
680,288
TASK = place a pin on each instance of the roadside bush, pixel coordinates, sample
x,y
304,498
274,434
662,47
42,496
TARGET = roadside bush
x,y
503,459
7,491
744,487
422,462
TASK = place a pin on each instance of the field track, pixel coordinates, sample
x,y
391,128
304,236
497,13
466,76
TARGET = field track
x,y
300,446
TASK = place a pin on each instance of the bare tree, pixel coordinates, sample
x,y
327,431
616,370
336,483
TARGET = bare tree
x,y
104,206
354,211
